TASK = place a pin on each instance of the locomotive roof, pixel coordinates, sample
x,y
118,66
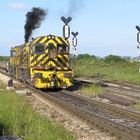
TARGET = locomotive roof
x,y
63,40
20,46
45,39
49,36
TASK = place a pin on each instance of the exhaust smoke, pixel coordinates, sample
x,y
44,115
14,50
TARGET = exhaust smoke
x,y
33,21
74,6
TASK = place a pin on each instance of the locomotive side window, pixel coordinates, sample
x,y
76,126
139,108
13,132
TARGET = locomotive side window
x,y
13,53
51,47
63,49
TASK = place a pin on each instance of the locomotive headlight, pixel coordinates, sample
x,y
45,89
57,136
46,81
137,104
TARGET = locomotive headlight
x,y
52,84
53,37
49,37
66,31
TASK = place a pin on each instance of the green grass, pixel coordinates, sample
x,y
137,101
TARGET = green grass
x,y
18,118
137,106
122,70
91,89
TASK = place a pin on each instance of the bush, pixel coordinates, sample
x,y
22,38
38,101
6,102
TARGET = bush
x,y
85,56
114,58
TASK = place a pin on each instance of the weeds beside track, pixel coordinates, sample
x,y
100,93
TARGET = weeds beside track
x,y
18,118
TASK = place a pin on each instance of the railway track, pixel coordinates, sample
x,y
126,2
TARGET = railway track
x,y
124,124
130,91
117,98
131,94
121,85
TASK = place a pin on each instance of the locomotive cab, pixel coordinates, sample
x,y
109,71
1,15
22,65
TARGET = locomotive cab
x,y
50,63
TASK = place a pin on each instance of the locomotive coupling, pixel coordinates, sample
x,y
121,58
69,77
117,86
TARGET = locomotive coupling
x,y
54,79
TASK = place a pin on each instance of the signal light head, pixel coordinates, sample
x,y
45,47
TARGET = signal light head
x,y
74,34
66,20
138,28
66,28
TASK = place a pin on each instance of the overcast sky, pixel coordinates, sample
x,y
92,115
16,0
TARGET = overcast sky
x,y
105,26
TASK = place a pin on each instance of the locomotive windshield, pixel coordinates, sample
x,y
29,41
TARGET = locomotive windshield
x,y
52,51
63,49
39,48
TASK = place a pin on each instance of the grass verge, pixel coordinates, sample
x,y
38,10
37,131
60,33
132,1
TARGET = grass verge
x,y
121,70
91,89
137,106
18,118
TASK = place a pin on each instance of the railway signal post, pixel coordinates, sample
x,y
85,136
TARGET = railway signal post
x,y
74,43
138,40
66,28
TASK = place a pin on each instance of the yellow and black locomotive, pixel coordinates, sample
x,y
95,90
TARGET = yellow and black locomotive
x,y
44,62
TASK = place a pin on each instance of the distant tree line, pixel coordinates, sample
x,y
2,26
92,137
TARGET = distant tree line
x,y
108,59
4,58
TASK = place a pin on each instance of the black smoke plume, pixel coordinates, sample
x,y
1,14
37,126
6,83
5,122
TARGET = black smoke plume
x,y
33,21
